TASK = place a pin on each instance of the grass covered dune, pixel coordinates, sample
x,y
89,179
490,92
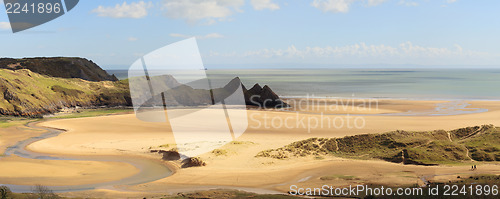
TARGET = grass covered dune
x,y
479,143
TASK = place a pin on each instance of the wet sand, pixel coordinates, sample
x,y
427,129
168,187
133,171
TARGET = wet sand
x,y
83,172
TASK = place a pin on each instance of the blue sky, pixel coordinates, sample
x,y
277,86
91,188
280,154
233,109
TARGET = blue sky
x,y
273,33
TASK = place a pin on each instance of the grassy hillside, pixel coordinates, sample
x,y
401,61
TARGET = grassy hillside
x,y
480,143
25,93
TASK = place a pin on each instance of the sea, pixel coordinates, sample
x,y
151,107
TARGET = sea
x,y
417,84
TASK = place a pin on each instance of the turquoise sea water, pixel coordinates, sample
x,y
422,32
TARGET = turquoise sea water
x,y
452,84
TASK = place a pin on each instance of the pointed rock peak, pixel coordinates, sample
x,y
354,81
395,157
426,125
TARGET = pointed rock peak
x,y
256,87
269,92
265,97
235,80
268,89
234,84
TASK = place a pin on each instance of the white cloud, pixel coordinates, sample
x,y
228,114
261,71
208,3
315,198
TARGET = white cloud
x,y
360,49
208,11
4,25
374,2
133,10
404,53
342,6
132,39
448,2
208,36
408,3
333,5
264,4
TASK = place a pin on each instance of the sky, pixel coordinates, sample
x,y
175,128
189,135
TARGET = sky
x,y
272,33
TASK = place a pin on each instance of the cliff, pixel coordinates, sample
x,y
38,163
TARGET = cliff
x,y
32,87
185,95
64,67
29,94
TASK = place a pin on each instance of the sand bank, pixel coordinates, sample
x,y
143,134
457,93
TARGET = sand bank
x,y
23,171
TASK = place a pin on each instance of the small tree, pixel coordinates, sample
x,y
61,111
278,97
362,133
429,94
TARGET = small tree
x,y
4,192
43,192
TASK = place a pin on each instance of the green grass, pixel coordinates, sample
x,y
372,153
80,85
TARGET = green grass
x,y
485,147
6,122
426,147
93,113
25,93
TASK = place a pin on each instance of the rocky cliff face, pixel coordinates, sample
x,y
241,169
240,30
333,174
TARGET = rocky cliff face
x,y
65,67
177,94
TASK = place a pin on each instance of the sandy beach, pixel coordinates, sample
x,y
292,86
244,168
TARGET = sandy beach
x,y
21,171
124,135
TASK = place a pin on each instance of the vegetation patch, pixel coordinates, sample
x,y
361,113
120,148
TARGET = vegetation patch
x,y
38,192
66,91
228,194
29,94
219,152
6,121
93,113
335,177
241,142
480,143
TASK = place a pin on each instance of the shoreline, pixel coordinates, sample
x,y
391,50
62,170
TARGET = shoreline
x,y
359,107
389,98
74,110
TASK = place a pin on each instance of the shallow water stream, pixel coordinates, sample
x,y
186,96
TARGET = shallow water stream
x,y
149,170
